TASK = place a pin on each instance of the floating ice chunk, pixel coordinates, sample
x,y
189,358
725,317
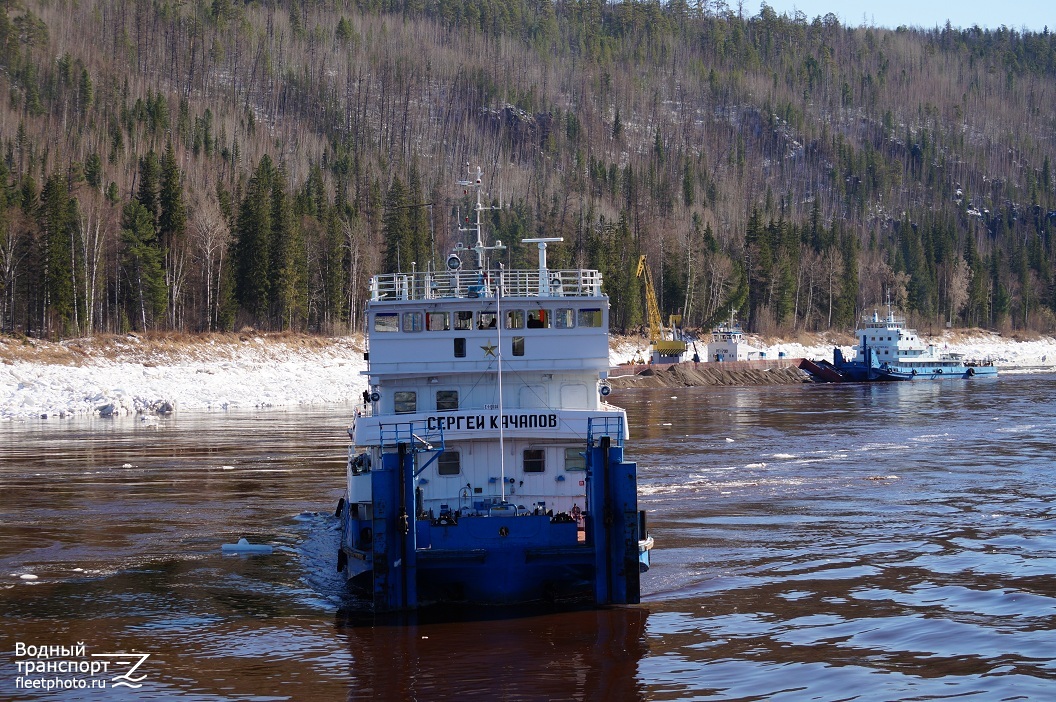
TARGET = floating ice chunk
x,y
28,576
244,546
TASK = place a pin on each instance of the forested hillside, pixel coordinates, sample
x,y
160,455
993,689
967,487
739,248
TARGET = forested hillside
x,y
205,165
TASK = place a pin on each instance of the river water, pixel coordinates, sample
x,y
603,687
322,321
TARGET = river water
x,y
851,542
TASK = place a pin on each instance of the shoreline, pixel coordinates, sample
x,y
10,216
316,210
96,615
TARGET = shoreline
x,y
137,374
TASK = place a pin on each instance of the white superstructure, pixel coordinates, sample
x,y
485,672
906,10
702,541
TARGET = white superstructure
x,y
727,344
485,439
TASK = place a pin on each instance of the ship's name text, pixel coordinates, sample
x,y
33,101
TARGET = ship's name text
x,y
471,422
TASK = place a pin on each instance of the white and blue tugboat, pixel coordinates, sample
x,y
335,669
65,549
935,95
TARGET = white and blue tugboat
x,y
486,465
887,350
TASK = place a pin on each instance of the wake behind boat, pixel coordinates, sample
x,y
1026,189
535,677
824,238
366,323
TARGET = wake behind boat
x,y
486,465
888,350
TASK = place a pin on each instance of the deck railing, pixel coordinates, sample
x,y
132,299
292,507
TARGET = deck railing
x,y
416,435
611,427
474,284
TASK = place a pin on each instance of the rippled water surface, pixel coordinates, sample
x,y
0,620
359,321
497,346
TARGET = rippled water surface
x,y
855,542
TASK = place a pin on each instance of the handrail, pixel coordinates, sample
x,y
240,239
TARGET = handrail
x,y
418,437
611,427
428,285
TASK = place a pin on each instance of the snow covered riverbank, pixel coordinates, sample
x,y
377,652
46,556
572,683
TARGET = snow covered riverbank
x,y
145,375
134,375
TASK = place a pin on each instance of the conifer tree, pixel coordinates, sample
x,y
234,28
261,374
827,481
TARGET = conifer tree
x,y
288,273
148,190
618,266
417,220
172,213
1000,300
93,170
759,257
172,230
85,92
142,267
847,302
398,244
56,246
8,256
332,271
253,247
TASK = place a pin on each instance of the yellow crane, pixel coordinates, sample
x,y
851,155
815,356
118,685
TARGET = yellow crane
x,y
666,347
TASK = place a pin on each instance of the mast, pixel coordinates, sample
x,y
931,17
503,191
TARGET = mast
x,y
498,373
480,251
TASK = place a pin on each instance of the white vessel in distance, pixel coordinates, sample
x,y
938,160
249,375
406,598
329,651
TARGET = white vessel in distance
x,y
888,350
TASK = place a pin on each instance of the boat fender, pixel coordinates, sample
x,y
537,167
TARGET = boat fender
x,y
914,371
340,507
939,370
971,372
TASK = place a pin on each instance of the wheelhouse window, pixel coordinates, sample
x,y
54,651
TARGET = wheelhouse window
x,y
449,463
589,317
534,460
446,400
564,318
412,321
538,319
515,319
386,322
437,321
463,320
486,320
575,460
405,402
518,346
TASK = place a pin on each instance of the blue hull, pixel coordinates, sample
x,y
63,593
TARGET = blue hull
x,y
932,373
405,562
493,560
860,373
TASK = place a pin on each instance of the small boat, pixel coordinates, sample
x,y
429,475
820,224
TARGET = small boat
x,y
728,344
887,350
486,465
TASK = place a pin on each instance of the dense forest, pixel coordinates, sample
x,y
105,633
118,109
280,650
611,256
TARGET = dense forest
x,y
215,164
